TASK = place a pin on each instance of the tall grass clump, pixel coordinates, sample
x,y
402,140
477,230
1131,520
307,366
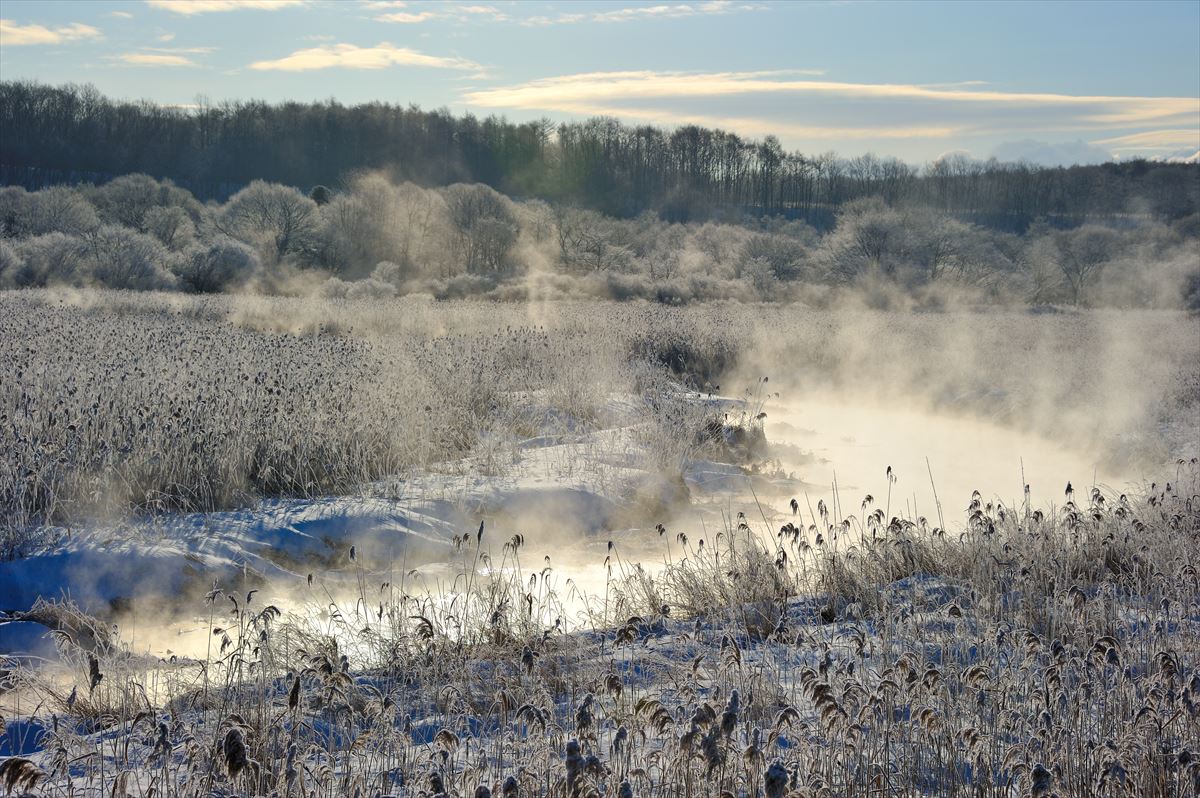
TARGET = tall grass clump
x,y
1030,652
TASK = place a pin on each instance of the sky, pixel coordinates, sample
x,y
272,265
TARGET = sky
x,y
1054,82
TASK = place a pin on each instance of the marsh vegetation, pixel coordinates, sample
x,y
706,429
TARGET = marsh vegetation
x,y
588,548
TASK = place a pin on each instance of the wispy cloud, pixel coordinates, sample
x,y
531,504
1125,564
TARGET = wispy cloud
x,y
1153,141
647,12
120,14
810,110
407,17
611,85
162,56
12,34
453,11
155,59
350,56
192,7
632,13
189,50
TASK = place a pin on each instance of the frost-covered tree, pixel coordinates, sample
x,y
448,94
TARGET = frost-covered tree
x,y
171,225
281,217
587,241
350,231
218,266
125,200
13,202
1082,253
783,256
484,225
375,220
390,273
59,209
118,257
371,288
10,264
50,259
869,237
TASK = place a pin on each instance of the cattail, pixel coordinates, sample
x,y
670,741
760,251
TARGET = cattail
x,y
752,755
619,739
775,780
729,717
612,683
574,764
1041,779
710,748
294,694
94,675
234,748
594,767
703,716
583,716
162,746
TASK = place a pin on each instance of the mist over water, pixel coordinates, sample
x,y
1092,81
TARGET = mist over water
x,y
827,440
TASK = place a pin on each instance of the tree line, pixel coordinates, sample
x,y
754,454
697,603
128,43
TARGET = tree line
x,y
372,237
73,133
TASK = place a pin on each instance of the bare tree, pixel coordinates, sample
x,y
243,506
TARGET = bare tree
x,y
282,214
171,225
122,258
50,259
59,209
584,243
485,227
1082,253
223,264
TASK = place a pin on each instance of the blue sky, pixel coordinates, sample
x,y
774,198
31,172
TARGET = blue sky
x,y
1057,82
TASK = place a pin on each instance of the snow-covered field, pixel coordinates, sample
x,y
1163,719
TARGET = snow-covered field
x,y
556,561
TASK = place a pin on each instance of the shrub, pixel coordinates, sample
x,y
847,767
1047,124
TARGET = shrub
x,y
170,225
221,265
370,288
13,202
278,217
59,210
10,264
127,199
388,272
782,256
485,227
51,259
118,257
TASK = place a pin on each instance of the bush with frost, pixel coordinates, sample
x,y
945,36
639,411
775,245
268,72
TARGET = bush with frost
x,y
117,257
370,288
279,219
50,259
217,267
59,209
10,264
171,225
485,228
127,200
